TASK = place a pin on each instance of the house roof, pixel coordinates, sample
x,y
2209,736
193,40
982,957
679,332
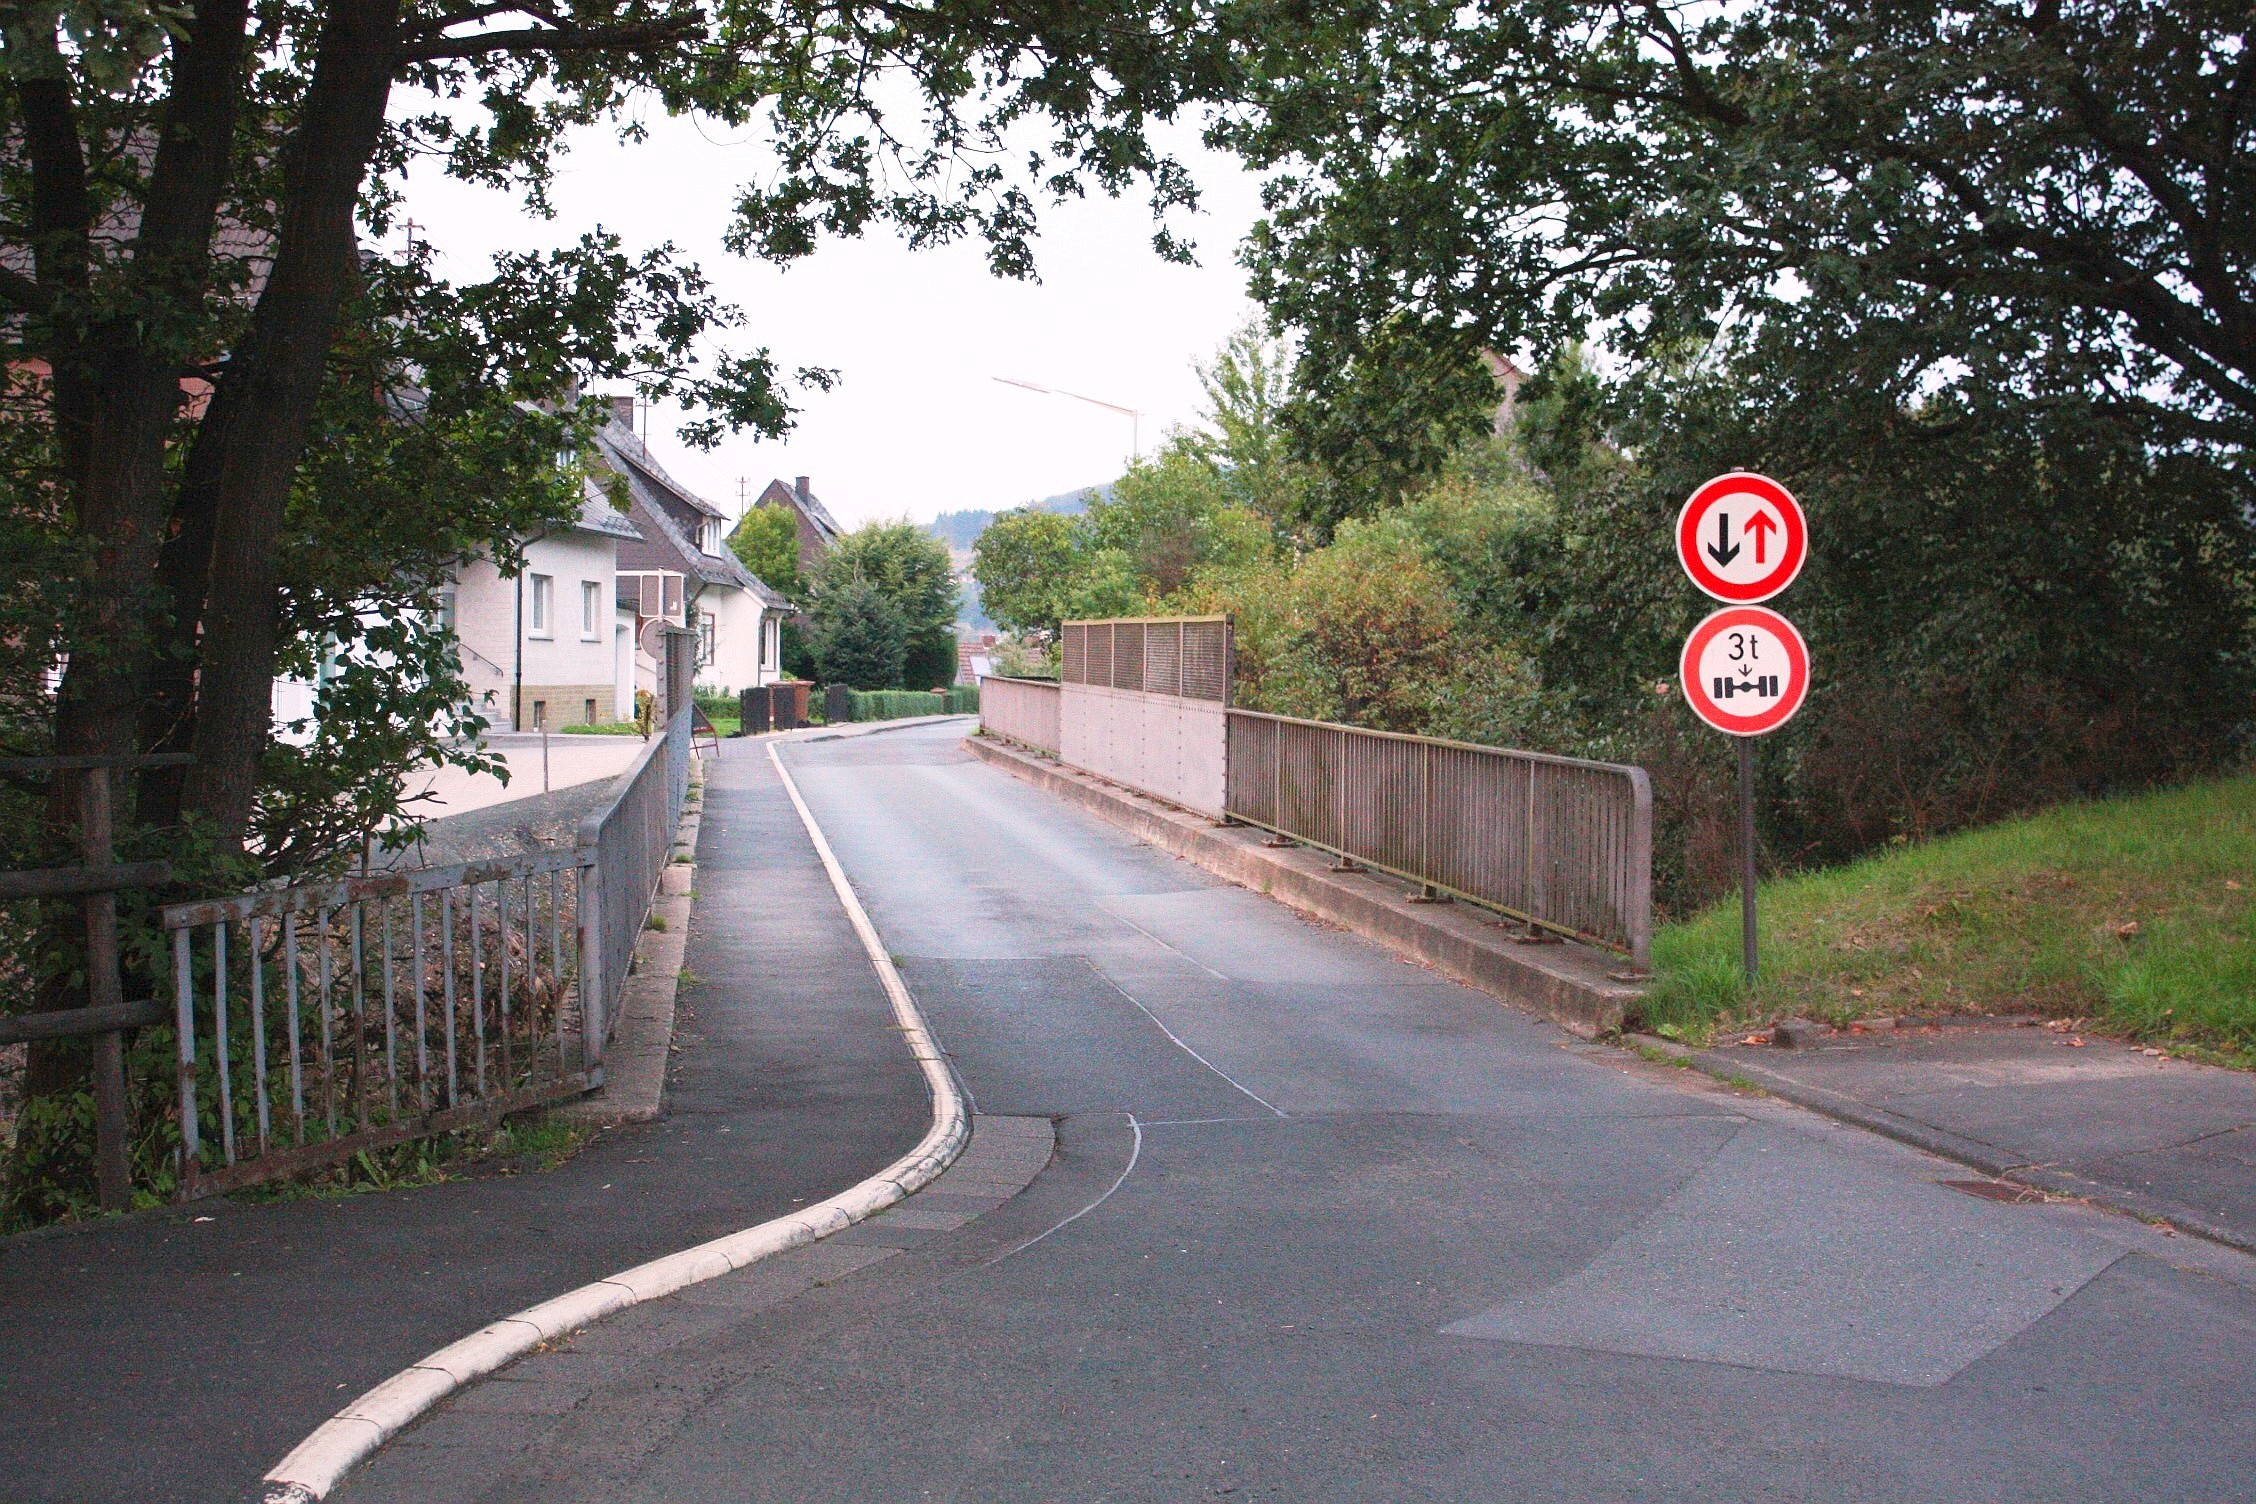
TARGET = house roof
x,y
778,494
664,541
597,515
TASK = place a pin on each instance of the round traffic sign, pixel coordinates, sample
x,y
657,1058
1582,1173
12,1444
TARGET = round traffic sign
x,y
1745,670
1742,538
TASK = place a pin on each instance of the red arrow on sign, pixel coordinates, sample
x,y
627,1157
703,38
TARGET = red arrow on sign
x,y
1759,528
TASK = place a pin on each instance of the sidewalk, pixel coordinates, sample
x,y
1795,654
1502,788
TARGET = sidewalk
x,y
179,1358
2068,1114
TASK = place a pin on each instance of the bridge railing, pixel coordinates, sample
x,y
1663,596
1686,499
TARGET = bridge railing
x,y
1561,843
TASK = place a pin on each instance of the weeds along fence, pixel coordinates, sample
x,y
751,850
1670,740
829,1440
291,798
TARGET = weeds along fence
x,y
317,1021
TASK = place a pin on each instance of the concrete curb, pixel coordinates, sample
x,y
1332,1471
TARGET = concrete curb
x,y
1972,1153
1572,985
348,1438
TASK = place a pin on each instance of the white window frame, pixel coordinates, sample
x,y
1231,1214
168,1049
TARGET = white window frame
x,y
540,621
708,638
591,602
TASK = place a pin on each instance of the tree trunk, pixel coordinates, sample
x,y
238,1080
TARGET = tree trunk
x,y
255,434
117,390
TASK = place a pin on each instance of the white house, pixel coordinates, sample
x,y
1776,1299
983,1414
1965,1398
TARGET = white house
x,y
680,570
544,648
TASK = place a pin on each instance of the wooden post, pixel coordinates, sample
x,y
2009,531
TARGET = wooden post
x,y
104,989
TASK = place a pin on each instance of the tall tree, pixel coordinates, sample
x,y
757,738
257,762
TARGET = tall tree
x,y
181,197
2021,203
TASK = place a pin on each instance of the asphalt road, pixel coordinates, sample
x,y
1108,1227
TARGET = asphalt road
x,y
1322,1226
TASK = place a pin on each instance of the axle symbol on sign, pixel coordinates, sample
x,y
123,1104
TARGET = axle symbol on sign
x,y
1759,528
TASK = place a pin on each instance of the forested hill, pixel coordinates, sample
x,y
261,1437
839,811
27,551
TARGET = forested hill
x,y
960,530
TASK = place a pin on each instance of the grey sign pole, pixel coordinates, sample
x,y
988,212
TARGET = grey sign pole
x,y
1747,855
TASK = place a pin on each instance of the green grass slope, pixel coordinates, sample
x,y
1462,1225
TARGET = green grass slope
x,y
2136,912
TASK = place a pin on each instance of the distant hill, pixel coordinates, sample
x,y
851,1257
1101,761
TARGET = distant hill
x,y
960,530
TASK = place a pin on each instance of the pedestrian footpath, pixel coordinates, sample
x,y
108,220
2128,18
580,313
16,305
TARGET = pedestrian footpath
x,y
2042,1106
177,1358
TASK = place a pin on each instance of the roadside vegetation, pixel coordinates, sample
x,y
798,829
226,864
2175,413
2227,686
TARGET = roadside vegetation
x,y
2137,912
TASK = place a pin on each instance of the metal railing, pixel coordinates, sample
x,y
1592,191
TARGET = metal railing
x,y
1186,656
625,846
1021,710
319,1020
1563,844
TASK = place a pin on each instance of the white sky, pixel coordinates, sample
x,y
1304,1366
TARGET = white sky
x,y
917,424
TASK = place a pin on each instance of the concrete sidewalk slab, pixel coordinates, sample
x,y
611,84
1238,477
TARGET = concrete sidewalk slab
x,y
2099,1119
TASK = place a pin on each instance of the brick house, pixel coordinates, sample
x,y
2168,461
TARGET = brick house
x,y
818,530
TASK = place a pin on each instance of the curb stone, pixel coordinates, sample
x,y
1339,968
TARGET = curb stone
x,y
1972,1153
340,1444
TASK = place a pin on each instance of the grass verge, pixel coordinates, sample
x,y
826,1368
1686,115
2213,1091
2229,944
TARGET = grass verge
x,y
2136,912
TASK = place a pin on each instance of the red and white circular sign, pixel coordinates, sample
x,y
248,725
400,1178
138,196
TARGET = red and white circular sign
x,y
1742,538
1745,670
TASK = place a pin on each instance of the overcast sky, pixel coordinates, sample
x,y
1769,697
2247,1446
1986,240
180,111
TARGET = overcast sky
x,y
918,424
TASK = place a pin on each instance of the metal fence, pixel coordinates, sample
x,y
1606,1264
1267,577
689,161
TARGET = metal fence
x,y
1564,844
1021,710
319,1020
626,845
1187,656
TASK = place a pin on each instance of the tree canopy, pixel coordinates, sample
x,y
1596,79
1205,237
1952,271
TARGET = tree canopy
x,y
189,304
2017,204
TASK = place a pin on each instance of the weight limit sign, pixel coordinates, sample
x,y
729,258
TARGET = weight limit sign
x,y
1745,670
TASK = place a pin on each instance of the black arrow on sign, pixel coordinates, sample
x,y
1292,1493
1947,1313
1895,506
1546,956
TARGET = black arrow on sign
x,y
1723,550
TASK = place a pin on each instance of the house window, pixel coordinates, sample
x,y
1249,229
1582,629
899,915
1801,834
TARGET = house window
x,y
540,715
446,611
709,535
769,632
590,717
705,639
591,603
544,604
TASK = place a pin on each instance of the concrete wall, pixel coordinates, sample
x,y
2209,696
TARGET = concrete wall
x,y
1163,745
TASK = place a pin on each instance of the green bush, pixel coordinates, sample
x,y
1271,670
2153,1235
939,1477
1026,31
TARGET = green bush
x,y
898,704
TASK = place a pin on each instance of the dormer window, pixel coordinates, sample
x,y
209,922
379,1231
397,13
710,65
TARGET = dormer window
x,y
709,535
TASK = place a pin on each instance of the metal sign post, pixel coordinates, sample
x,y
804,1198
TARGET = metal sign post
x,y
1742,538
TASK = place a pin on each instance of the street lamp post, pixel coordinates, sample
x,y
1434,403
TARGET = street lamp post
x,y
1135,418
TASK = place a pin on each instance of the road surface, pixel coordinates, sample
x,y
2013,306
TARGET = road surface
x,y
1322,1226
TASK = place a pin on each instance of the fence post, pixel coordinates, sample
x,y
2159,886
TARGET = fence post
x,y
592,1001
104,989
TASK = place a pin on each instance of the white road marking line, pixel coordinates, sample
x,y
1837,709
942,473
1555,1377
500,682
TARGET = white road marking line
x,y
1186,1049
1135,1152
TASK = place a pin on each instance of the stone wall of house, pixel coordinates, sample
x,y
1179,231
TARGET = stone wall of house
x,y
556,705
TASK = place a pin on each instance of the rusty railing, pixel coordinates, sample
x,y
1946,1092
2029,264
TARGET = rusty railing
x,y
1560,843
322,1019
1021,710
